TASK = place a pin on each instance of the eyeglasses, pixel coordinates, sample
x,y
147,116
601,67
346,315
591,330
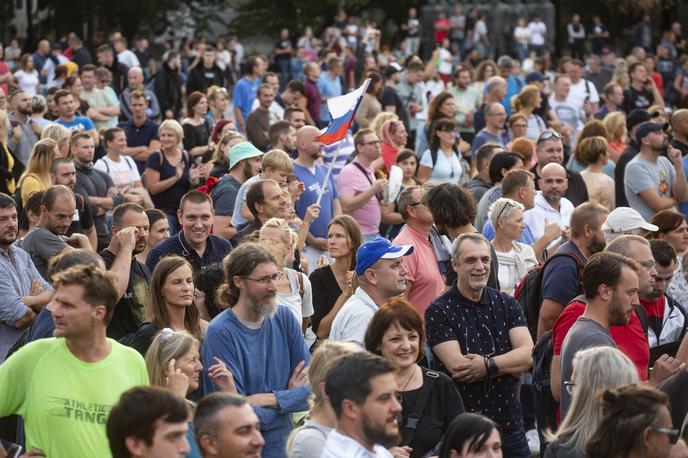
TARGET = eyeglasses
x,y
657,114
570,387
520,126
414,204
276,277
548,134
671,433
374,142
448,129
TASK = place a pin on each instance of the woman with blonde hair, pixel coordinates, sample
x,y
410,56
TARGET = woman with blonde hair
x,y
8,163
594,152
170,304
293,288
61,135
594,370
617,139
309,440
525,103
220,159
36,177
379,120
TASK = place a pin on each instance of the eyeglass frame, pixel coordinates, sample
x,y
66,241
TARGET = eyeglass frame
x,y
266,279
507,204
672,434
570,387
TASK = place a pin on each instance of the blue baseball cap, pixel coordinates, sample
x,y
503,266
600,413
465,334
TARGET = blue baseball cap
x,y
380,248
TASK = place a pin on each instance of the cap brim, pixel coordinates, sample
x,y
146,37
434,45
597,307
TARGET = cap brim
x,y
649,227
404,250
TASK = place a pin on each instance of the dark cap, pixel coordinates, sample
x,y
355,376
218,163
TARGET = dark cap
x,y
635,117
535,76
647,127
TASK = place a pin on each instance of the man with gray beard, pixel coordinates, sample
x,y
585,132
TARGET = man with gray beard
x,y
261,343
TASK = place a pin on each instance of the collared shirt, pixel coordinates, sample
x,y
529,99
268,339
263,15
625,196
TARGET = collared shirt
x,y
340,446
351,322
216,249
17,271
480,328
427,282
543,213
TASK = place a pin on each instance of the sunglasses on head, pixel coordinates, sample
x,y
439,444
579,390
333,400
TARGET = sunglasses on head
x,y
547,135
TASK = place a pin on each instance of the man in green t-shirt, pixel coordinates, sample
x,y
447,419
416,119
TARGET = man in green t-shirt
x,y
64,387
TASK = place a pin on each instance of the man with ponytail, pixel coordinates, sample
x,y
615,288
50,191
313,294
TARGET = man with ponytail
x,y
261,343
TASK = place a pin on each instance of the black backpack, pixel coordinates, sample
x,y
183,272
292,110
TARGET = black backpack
x,y
529,291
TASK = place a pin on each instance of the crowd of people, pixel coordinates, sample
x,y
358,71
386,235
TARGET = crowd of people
x,y
490,263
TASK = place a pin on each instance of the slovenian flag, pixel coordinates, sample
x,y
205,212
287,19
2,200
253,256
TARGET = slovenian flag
x,y
342,110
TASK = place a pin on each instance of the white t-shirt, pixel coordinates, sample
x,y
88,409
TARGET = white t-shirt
x,y
479,31
578,93
538,30
445,66
447,168
522,34
128,58
28,82
302,308
123,173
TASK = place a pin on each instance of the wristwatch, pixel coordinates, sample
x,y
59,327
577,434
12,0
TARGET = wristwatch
x,y
492,368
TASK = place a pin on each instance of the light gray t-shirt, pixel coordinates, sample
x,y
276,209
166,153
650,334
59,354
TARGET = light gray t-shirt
x,y
237,215
42,245
309,440
641,175
585,333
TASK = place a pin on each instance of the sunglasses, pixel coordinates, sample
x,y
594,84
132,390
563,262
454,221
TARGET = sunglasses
x,y
548,134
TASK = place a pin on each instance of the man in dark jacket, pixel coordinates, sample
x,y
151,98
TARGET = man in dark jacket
x,y
206,74
106,58
168,86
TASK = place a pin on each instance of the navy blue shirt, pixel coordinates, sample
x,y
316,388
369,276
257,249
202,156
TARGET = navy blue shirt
x,y
168,200
140,136
560,281
215,251
480,328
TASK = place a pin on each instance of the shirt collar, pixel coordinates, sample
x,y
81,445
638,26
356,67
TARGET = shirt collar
x,y
484,299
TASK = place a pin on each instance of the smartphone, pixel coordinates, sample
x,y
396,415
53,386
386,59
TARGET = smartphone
x,y
14,451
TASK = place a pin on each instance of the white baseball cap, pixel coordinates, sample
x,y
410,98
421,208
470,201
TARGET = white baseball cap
x,y
625,219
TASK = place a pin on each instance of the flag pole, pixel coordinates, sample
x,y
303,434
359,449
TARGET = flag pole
x,y
329,172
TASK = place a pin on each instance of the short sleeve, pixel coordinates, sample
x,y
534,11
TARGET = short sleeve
x,y
132,168
388,98
154,162
47,244
637,178
560,280
307,301
426,159
438,325
88,123
100,165
224,205
562,326
514,312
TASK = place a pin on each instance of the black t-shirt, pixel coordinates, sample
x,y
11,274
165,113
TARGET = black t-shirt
x,y
637,99
681,146
444,403
168,200
224,194
326,291
128,314
196,135
283,45
85,221
390,97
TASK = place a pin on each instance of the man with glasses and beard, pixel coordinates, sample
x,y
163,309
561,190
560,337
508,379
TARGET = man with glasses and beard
x,y
610,283
364,396
261,343
480,337
129,237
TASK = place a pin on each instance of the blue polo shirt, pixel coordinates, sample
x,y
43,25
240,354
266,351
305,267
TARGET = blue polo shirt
x,y
313,179
480,328
140,136
215,251
560,280
526,237
78,123
244,94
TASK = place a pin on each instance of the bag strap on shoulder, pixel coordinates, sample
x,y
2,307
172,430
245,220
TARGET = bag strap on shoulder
x,y
429,378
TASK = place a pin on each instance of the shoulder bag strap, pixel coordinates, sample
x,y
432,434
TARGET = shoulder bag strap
x,y
411,426
365,173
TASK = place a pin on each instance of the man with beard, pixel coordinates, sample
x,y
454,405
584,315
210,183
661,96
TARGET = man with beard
x,y
63,171
312,175
259,120
261,343
21,137
47,238
630,337
129,237
480,337
23,290
283,137
244,163
194,242
225,426
364,396
610,284
381,275
652,182
562,275
550,204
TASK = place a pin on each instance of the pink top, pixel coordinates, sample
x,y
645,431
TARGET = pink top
x,y
423,271
389,155
352,182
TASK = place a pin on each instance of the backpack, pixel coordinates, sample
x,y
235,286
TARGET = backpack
x,y
529,291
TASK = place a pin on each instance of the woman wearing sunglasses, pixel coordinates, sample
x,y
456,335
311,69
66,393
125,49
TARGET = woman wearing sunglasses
x,y
442,162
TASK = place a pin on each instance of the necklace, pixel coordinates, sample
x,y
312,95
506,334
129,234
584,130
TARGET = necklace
x,y
413,372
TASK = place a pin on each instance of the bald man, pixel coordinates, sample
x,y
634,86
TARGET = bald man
x,y
550,204
136,81
309,170
549,148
